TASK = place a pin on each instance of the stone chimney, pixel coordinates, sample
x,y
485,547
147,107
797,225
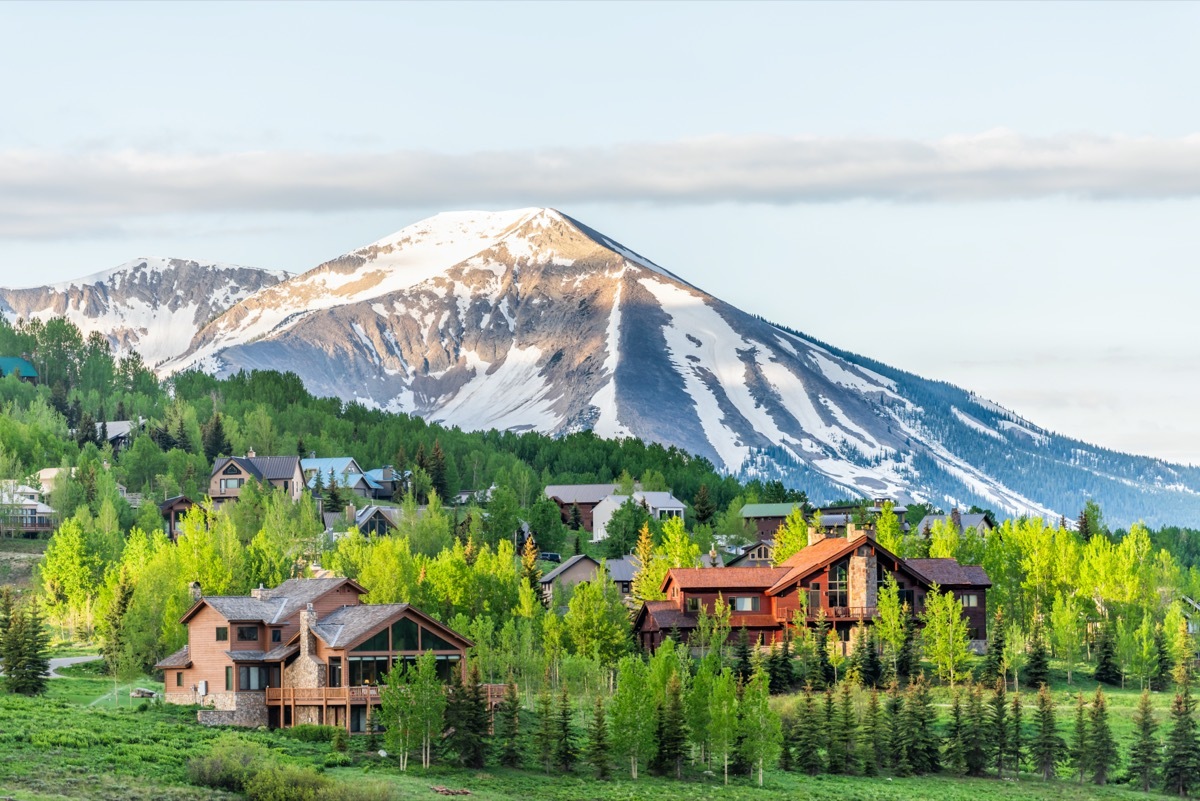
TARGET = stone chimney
x,y
351,512
815,534
250,453
308,621
863,579
196,593
387,472
956,518
259,592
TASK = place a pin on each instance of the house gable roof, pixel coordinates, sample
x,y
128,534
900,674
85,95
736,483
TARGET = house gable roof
x,y
276,605
11,364
550,577
949,573
351,625
726,578
580,493
975,521
264,468
756,510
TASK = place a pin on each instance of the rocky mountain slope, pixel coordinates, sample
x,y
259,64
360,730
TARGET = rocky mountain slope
x,y
154,306
529,319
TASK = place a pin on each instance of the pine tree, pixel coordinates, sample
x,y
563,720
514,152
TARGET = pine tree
x,y
906,660
744,666
835,756
1079,740
334,502
508,727
437,470
993,660
576,522
897,733
955,755
1017,736
824,675
565,750
786,762
1164,664
1037,669
703,508
872,740
925,746
1101,745
1181,758
807,736
24,651
1144,755
530,572
467,720
976,733
215,441
871,670
545,737
1047,747
845,729
1107,669
672,729
6,614
597,746
998,724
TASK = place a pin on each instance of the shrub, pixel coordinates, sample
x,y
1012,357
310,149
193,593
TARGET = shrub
x,y
337,759
312,733
230,764
360,790
340,740
285,783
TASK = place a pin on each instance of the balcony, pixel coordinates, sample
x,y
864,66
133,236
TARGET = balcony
x,y
322,695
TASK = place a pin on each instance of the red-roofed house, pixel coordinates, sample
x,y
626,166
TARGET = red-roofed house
x,y
839,575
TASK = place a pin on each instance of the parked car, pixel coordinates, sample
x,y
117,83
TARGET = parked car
x,y
550,556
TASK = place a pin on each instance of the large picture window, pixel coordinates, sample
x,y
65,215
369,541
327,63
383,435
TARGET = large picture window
x,y
839,595
247,633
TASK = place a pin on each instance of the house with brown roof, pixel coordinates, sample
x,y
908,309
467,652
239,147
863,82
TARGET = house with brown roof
x,y
230,474
585,497
307,651
837,576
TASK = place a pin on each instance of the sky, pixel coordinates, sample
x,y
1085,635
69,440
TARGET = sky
x,y
1004,196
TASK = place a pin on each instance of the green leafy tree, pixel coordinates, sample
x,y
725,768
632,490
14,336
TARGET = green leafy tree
x,y
1066,628
891,620
697,712
633,707
1144,755
597,621
758,726
429,701
723,714
399,714
888,530
792,536
946,635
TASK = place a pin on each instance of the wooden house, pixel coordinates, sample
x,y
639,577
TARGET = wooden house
x,y
839,576
585,497
230,474
307,651
173,510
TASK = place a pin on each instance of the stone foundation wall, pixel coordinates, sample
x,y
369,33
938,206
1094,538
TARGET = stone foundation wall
x,y
234,709
307,714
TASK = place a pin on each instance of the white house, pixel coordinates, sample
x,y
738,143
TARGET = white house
x,y
660,505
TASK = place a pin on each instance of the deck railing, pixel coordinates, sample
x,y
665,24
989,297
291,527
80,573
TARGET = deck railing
x,y
341,695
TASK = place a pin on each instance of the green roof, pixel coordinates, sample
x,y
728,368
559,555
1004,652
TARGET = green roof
x,y
11,364
768,509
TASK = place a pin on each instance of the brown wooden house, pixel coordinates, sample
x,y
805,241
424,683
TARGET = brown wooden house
x,y
230,474
307,651
173,510
837,575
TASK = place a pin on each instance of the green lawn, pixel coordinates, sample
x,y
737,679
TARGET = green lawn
x,y
18,557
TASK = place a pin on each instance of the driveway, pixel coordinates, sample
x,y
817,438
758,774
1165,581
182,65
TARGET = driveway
x,y
67,661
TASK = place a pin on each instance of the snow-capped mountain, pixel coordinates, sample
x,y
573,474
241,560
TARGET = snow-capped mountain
x,y
529,319
154,306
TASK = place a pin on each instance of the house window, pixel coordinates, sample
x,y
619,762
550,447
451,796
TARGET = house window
x,y
379,642
404,635
624,587
179,679
749,604
693,604
252,678
970,600
247,633
432,642
276,635
232,483
814,598
229,678
222,634
838,593
335,671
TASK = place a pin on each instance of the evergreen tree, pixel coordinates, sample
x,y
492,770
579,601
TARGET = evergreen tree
x,y
597,746
999,728
508,727
786,763
1144,755
1164,662
845,730
703,508
530,572
1047,747
1102,749
871,743
835,755
437,470
24,651
744,666
925,746
1107,669
897,734
7,605
976,733
906,660
672,729
993,660
565,750
1017,736
807,735
824,673
954,756
215,441
1037,669
545,737
334,500
576,521
467,720
1079,740
1181,758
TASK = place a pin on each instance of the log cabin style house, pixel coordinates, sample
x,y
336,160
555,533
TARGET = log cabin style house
x,y
840,575
307,651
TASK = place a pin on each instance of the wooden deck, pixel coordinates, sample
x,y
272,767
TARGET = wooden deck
x,y
323,696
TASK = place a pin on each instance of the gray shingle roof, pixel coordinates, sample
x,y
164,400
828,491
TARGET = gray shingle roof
x,y
949,573
277,604
266,468
622,569
556,572
179,659
580,493
349,623
975,521
245,656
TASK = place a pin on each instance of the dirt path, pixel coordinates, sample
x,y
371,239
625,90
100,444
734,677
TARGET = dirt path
x,y
67,661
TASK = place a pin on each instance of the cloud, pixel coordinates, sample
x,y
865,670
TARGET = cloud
x,y
45,194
